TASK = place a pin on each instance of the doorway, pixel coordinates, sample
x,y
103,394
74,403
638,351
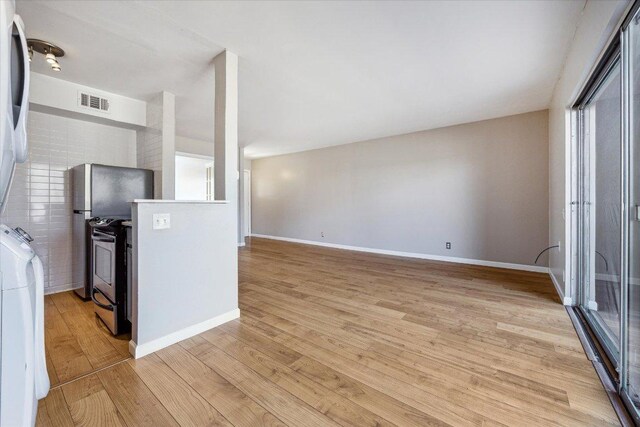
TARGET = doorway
x,y
601,122
194,177
607,168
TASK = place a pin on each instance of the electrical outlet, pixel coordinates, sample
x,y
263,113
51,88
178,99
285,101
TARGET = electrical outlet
x,y
161,221
448,245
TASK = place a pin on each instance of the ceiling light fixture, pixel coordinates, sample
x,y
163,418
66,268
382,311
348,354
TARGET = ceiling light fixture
x,y
50,51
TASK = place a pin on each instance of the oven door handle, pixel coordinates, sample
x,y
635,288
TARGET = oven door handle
x,y
99,239
99,304
102,237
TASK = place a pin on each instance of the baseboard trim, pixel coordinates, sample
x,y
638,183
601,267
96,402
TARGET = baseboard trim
x,y
138,351
523,267
57,289
565,300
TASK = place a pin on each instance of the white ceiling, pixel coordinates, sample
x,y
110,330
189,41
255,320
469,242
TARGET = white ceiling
x,y
315,74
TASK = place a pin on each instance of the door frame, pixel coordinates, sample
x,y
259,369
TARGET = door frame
x,y
246,204
576,195
585,169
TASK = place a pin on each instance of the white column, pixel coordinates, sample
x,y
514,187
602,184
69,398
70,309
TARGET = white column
x,y
226,128
168,146
156,144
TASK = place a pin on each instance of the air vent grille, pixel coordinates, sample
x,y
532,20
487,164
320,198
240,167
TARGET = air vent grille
x,y
94,102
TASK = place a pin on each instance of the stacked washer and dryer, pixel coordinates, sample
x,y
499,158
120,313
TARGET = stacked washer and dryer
x,y
23,371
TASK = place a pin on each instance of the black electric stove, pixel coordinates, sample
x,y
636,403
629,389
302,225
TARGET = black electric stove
x,y
109,273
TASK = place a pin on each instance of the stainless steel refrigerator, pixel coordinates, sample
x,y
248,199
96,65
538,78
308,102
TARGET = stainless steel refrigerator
x,y
101,191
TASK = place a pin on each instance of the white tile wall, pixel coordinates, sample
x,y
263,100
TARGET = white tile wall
x,y
40,197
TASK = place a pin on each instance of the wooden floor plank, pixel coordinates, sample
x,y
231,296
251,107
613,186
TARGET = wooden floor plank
x,y
278,401
94,344
90,404
236,406
182,401
53,411
134,401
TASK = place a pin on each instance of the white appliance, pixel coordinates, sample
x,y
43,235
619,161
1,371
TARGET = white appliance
x,y
23,371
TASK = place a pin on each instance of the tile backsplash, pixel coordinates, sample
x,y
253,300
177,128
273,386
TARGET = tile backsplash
x,y
40,197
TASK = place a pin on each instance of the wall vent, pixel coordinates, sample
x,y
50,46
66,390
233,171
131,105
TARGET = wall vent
x,y
93,102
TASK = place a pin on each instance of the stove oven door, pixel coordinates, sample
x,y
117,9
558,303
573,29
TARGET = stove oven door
x,y
103,269
104,263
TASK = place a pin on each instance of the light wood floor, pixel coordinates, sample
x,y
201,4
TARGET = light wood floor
x,y
329,337
76,341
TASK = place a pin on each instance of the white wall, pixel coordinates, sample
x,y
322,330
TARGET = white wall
x,y
481,186
194,146
191,176
40,197
598,21
47,92
184,277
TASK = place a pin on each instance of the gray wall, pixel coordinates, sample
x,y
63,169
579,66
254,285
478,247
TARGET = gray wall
x,y
481,186
183,276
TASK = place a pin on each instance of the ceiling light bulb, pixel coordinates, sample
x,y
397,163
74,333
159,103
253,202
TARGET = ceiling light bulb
x,y
50,57
55,66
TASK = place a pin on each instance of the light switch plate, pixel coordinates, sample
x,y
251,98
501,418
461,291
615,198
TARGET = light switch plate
x,y
161,221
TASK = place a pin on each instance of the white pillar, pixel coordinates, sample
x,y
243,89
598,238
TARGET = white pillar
x,y
225,162
226,129
168,146
156,144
